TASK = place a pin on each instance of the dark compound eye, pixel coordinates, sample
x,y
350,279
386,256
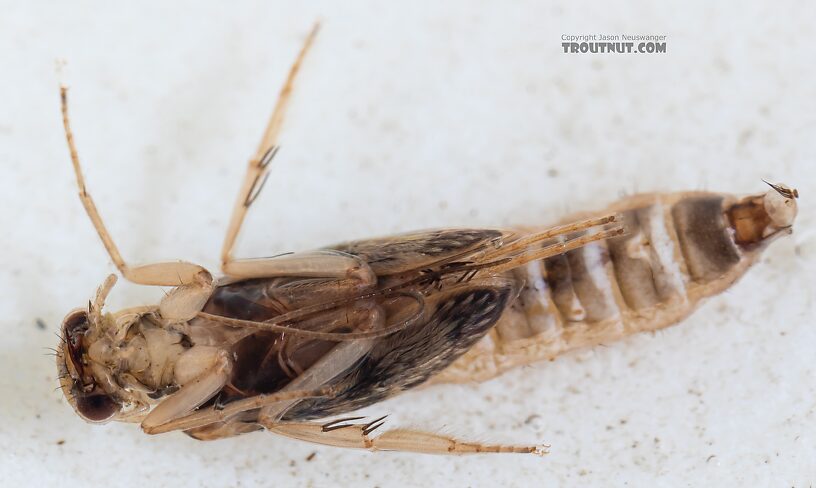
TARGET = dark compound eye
x,y
74,328
96,407
75,324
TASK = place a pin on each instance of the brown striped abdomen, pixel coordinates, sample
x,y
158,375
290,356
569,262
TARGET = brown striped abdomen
x,y
679,248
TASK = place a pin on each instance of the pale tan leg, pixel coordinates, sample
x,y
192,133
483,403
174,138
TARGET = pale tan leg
x,y
518,253
525,242
315,264
357,436
306,385
332,364
95,307
190,396
193,283
328,264
160,274
554,249
259,164
273,324
212,415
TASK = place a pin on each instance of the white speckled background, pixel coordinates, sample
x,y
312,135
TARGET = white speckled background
x,y
406,116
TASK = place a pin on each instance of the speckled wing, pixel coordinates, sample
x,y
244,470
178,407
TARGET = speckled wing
x,y
460,317
396,254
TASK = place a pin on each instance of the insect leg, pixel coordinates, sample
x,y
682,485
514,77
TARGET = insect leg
x,y
193,282
274,324
189,397
336,362
315,264
177,412
200,418
259,164
521,259
554,249
160,274
525,242
357,436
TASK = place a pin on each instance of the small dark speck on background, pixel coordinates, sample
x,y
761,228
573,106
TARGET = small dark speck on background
x,y
40,324
61,442
552,172
311,456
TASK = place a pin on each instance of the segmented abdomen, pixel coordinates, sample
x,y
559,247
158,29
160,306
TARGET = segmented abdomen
x,y
678,249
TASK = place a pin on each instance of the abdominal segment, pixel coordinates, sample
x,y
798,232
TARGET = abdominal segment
x,y
678,249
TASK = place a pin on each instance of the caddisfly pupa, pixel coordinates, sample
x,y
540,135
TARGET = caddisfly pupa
x,y
288,342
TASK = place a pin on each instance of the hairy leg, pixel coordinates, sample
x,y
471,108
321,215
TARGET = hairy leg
x,y
349,435
258,167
